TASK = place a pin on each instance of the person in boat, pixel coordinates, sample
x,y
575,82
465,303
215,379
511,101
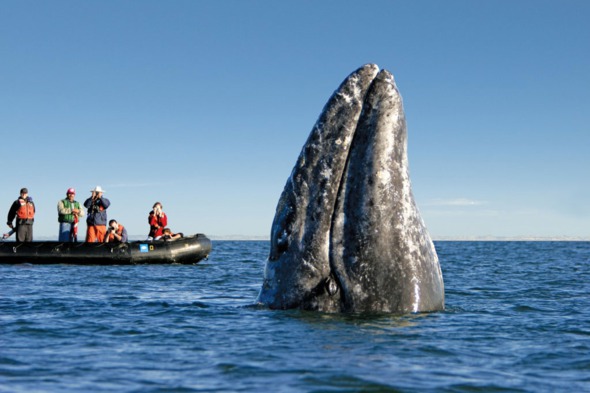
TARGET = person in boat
x,y
116,233
23,210
96,221
68,212
168,235
157,220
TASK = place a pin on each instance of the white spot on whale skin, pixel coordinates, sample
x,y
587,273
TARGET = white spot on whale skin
x,y
307,264
283,238
356,91
416,303
326,173
384,179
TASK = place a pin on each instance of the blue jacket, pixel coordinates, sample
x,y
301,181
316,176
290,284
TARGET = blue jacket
x,y
97,211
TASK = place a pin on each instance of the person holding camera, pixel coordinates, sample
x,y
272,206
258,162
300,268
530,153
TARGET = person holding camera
x,y
157,220
23,209
96,220
116,233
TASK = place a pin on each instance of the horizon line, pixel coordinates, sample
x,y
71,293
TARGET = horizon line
x,y
238,237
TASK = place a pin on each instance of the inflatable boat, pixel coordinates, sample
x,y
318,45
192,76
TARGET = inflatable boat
x,y
187,250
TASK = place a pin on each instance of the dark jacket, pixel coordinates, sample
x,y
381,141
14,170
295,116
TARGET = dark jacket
x,y
97,211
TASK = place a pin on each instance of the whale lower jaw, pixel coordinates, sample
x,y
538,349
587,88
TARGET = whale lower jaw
x,y
347,235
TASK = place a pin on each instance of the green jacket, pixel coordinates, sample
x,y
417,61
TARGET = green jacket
x,y
64,210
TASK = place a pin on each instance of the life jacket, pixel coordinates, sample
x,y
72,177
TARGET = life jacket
x,y
68,205
119,231
26,211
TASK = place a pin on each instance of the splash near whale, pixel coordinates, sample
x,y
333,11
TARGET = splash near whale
x,y
347,235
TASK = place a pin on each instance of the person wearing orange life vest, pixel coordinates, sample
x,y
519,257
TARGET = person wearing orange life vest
x,y
116,233
23,209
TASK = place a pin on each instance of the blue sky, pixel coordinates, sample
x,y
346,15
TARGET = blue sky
x,y
205,106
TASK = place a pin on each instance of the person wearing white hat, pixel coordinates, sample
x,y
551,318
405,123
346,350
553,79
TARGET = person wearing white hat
x,y
68,212
96,221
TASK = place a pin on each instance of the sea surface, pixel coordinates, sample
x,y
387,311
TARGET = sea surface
x,y
517,319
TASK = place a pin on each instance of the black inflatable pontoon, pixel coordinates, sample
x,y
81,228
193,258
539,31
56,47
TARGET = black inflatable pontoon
x,y
187,250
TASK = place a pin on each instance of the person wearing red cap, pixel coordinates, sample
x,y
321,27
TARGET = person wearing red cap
x,y
68,213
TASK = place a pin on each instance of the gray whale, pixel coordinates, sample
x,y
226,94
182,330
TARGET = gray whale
x,y
347,235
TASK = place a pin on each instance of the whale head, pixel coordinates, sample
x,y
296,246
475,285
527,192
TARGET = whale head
x,y
347,235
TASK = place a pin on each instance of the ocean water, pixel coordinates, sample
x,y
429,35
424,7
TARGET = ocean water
x,y
517,320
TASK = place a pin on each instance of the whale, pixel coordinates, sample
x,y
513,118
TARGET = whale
x,y
347,235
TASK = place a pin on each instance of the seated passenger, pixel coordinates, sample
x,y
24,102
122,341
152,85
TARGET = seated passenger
x,y
168,235
116,233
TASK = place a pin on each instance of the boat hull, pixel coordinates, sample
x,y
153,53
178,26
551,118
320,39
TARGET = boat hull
x,y
188,250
